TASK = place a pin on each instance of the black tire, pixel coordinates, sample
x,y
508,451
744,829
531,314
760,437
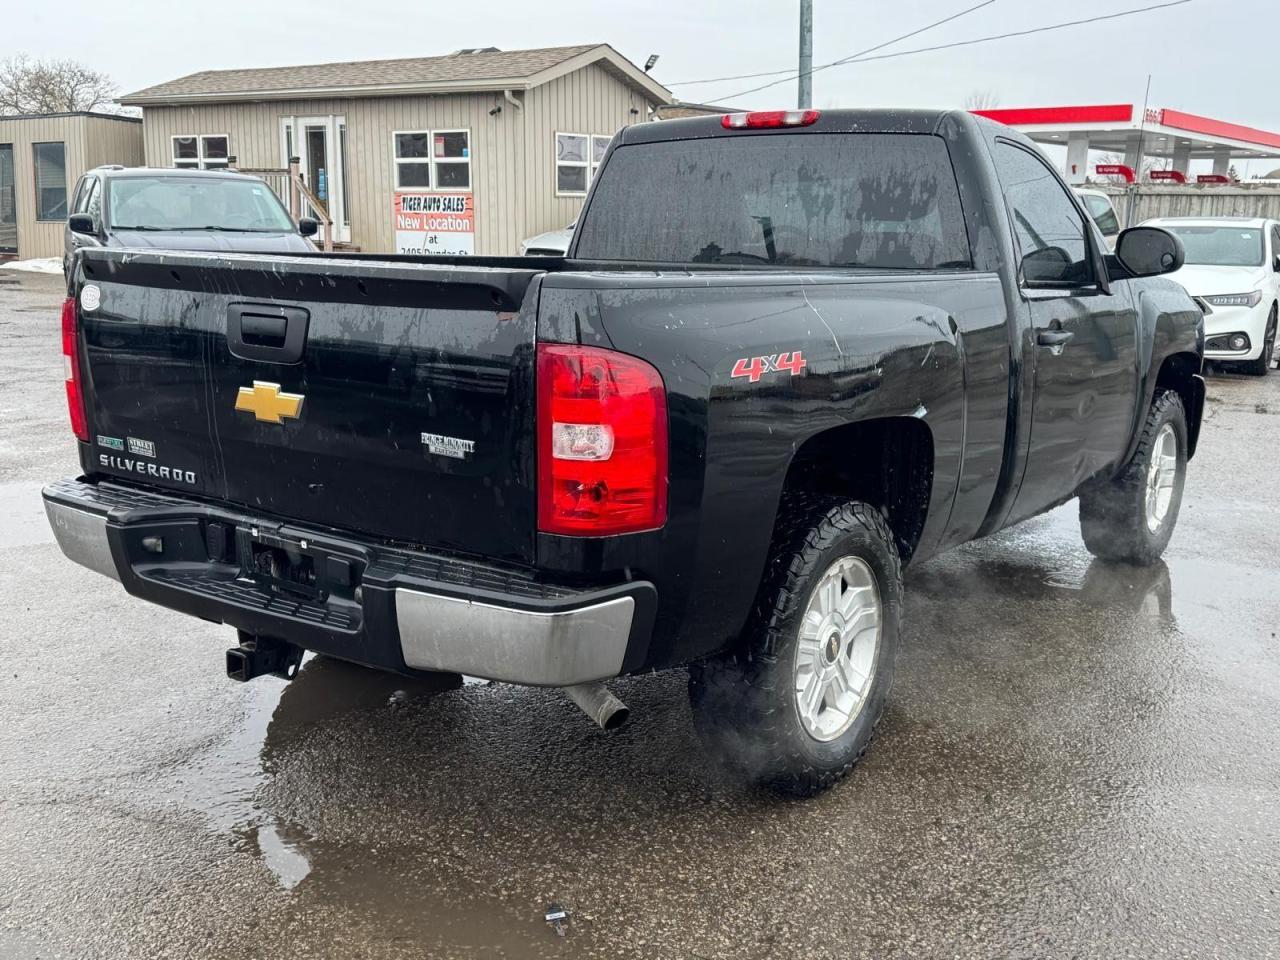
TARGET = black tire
x,y
745,703
1261,366
1113,514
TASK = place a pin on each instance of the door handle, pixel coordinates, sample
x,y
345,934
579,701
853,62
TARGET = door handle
x,y
1053,338
255,328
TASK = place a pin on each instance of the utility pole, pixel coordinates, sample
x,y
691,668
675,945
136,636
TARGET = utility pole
x,y
1132,189
805,84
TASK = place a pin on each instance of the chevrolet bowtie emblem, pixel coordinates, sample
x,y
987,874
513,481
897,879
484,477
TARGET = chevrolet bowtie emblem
x,y
268,403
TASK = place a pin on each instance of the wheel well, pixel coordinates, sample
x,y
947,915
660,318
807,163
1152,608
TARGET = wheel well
x,y
1178,373
887,463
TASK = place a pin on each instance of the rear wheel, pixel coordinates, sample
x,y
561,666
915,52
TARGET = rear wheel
x,y
1262,365
1131,517
797,707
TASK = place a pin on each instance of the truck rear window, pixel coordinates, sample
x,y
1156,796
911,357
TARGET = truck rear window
x,y
887,201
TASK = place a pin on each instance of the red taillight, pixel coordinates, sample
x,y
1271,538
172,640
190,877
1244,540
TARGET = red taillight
x,y
759,119
71,365
602,442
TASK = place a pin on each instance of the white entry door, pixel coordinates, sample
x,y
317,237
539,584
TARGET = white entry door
x,y
320,143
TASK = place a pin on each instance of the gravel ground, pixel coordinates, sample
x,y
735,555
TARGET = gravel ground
x,y
1078,761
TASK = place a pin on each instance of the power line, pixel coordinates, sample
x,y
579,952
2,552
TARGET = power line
x,y
880,46
862,53
863,58
740,76
1023,33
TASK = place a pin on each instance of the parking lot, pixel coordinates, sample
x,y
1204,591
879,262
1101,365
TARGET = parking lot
x,y
1079,761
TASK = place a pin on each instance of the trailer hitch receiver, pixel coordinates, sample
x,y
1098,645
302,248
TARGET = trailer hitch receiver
x,y
259,655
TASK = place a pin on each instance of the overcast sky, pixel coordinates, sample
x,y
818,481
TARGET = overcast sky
x,y
1206,56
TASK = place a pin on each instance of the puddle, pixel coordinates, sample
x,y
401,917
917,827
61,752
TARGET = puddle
x,y
222,782
1065,580
280,848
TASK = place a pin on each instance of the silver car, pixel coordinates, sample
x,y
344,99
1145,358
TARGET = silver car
x,y
553,243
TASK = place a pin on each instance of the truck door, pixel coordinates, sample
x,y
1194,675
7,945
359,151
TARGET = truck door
x,y
1083,349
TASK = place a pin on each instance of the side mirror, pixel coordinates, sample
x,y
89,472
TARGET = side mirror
x,y
1276,265
307,227
1149,251
82,223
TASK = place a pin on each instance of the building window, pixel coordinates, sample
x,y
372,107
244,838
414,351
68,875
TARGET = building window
x,y
433,160
598,146
577,157
51,180
413,159
451,159
201,152
214,152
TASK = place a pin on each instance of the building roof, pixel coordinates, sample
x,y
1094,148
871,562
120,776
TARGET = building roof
x,y
69,113
1112,127
679,109
460,72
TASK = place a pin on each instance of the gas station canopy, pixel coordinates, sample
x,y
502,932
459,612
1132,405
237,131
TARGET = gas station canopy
x,y
1121,128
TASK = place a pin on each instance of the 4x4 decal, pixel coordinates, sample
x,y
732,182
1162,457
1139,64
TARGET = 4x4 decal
x,y
756,367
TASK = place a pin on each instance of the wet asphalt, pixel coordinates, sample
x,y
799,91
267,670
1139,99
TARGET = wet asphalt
x,y
1078,761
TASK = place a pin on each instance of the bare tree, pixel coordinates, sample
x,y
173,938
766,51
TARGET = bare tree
x,y
981,100
51,86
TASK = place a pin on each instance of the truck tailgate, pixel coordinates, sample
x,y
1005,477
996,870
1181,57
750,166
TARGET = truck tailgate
x,y
389,398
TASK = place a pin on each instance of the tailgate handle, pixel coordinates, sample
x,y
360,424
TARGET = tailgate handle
x,y
255,328
267,332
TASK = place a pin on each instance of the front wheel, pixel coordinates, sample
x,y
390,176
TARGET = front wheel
x,y
1262,365
1130,518
797,706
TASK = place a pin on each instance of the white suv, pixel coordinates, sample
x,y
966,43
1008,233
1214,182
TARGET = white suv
x,y
1233,264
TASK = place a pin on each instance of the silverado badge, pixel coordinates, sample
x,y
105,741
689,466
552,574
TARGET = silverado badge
x,y
268,403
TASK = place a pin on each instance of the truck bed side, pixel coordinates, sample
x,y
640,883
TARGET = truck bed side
x,y
879,352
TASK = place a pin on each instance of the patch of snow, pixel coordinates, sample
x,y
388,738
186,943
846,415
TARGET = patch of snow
x,y
47,265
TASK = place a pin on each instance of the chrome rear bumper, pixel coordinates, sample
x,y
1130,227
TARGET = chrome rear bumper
x,y
411,611
82,536
519,646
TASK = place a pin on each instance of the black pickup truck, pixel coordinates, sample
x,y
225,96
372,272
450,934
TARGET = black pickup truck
x,y
787,355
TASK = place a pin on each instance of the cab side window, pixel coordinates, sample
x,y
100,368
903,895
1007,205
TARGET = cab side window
x,y
93,203
81,196
1275,247
1049,228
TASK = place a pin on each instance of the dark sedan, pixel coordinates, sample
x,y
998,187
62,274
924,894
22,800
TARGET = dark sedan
x,y
176,209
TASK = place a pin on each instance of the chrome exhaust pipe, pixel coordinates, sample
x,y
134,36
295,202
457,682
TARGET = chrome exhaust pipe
x,y
608,712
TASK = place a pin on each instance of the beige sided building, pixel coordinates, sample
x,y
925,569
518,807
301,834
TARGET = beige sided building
x,y
470,152
41,157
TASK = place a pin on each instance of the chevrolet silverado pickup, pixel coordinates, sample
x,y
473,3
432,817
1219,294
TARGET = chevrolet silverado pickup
x,y
788,354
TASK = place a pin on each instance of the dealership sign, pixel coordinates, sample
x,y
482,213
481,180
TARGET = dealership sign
x,y
434,224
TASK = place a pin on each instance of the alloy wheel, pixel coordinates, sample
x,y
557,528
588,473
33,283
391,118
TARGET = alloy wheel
x,y
839,638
